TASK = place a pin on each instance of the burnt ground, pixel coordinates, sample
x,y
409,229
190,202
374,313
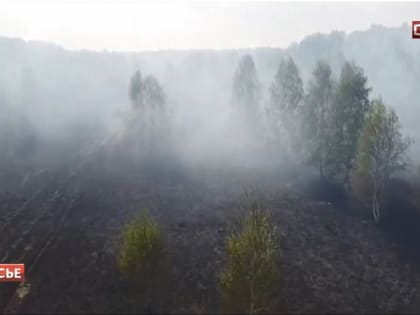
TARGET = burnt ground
x,y
66,229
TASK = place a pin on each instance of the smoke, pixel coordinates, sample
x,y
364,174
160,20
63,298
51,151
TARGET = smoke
x,y
65,103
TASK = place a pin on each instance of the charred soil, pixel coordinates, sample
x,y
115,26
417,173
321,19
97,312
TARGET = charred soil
x,y
67,229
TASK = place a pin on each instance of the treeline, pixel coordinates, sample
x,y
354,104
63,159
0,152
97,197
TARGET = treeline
x,y
354,141
334,125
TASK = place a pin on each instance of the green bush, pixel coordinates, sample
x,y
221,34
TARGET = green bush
x,y
142,259
251,272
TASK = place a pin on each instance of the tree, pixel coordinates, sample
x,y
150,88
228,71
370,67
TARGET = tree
x,y
147,122
381,152
153,95
251,272
154,117
317,122
246,89
286,94
142,258
135,90
351,103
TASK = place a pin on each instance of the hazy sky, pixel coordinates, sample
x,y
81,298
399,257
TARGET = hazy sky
x,y
134,25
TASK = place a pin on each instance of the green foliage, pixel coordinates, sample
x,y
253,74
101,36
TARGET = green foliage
x,y
317,118
142,259
381,151
351,103
251,272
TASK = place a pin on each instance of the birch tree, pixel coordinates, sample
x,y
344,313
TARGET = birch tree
x,y
351,103
317,117
381,152
286,95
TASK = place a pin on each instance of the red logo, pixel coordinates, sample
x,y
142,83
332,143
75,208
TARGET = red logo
x,y
12,272
415,28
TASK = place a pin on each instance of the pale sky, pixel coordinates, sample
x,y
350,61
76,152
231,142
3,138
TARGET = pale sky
x,y
138,25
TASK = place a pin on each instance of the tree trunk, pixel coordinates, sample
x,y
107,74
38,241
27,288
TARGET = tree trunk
x,y
376,206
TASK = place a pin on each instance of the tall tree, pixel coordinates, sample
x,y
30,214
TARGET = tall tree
x,y
351,103
286,95
147,124
152,116
381,152
153,94
135,90
246,88
317,116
